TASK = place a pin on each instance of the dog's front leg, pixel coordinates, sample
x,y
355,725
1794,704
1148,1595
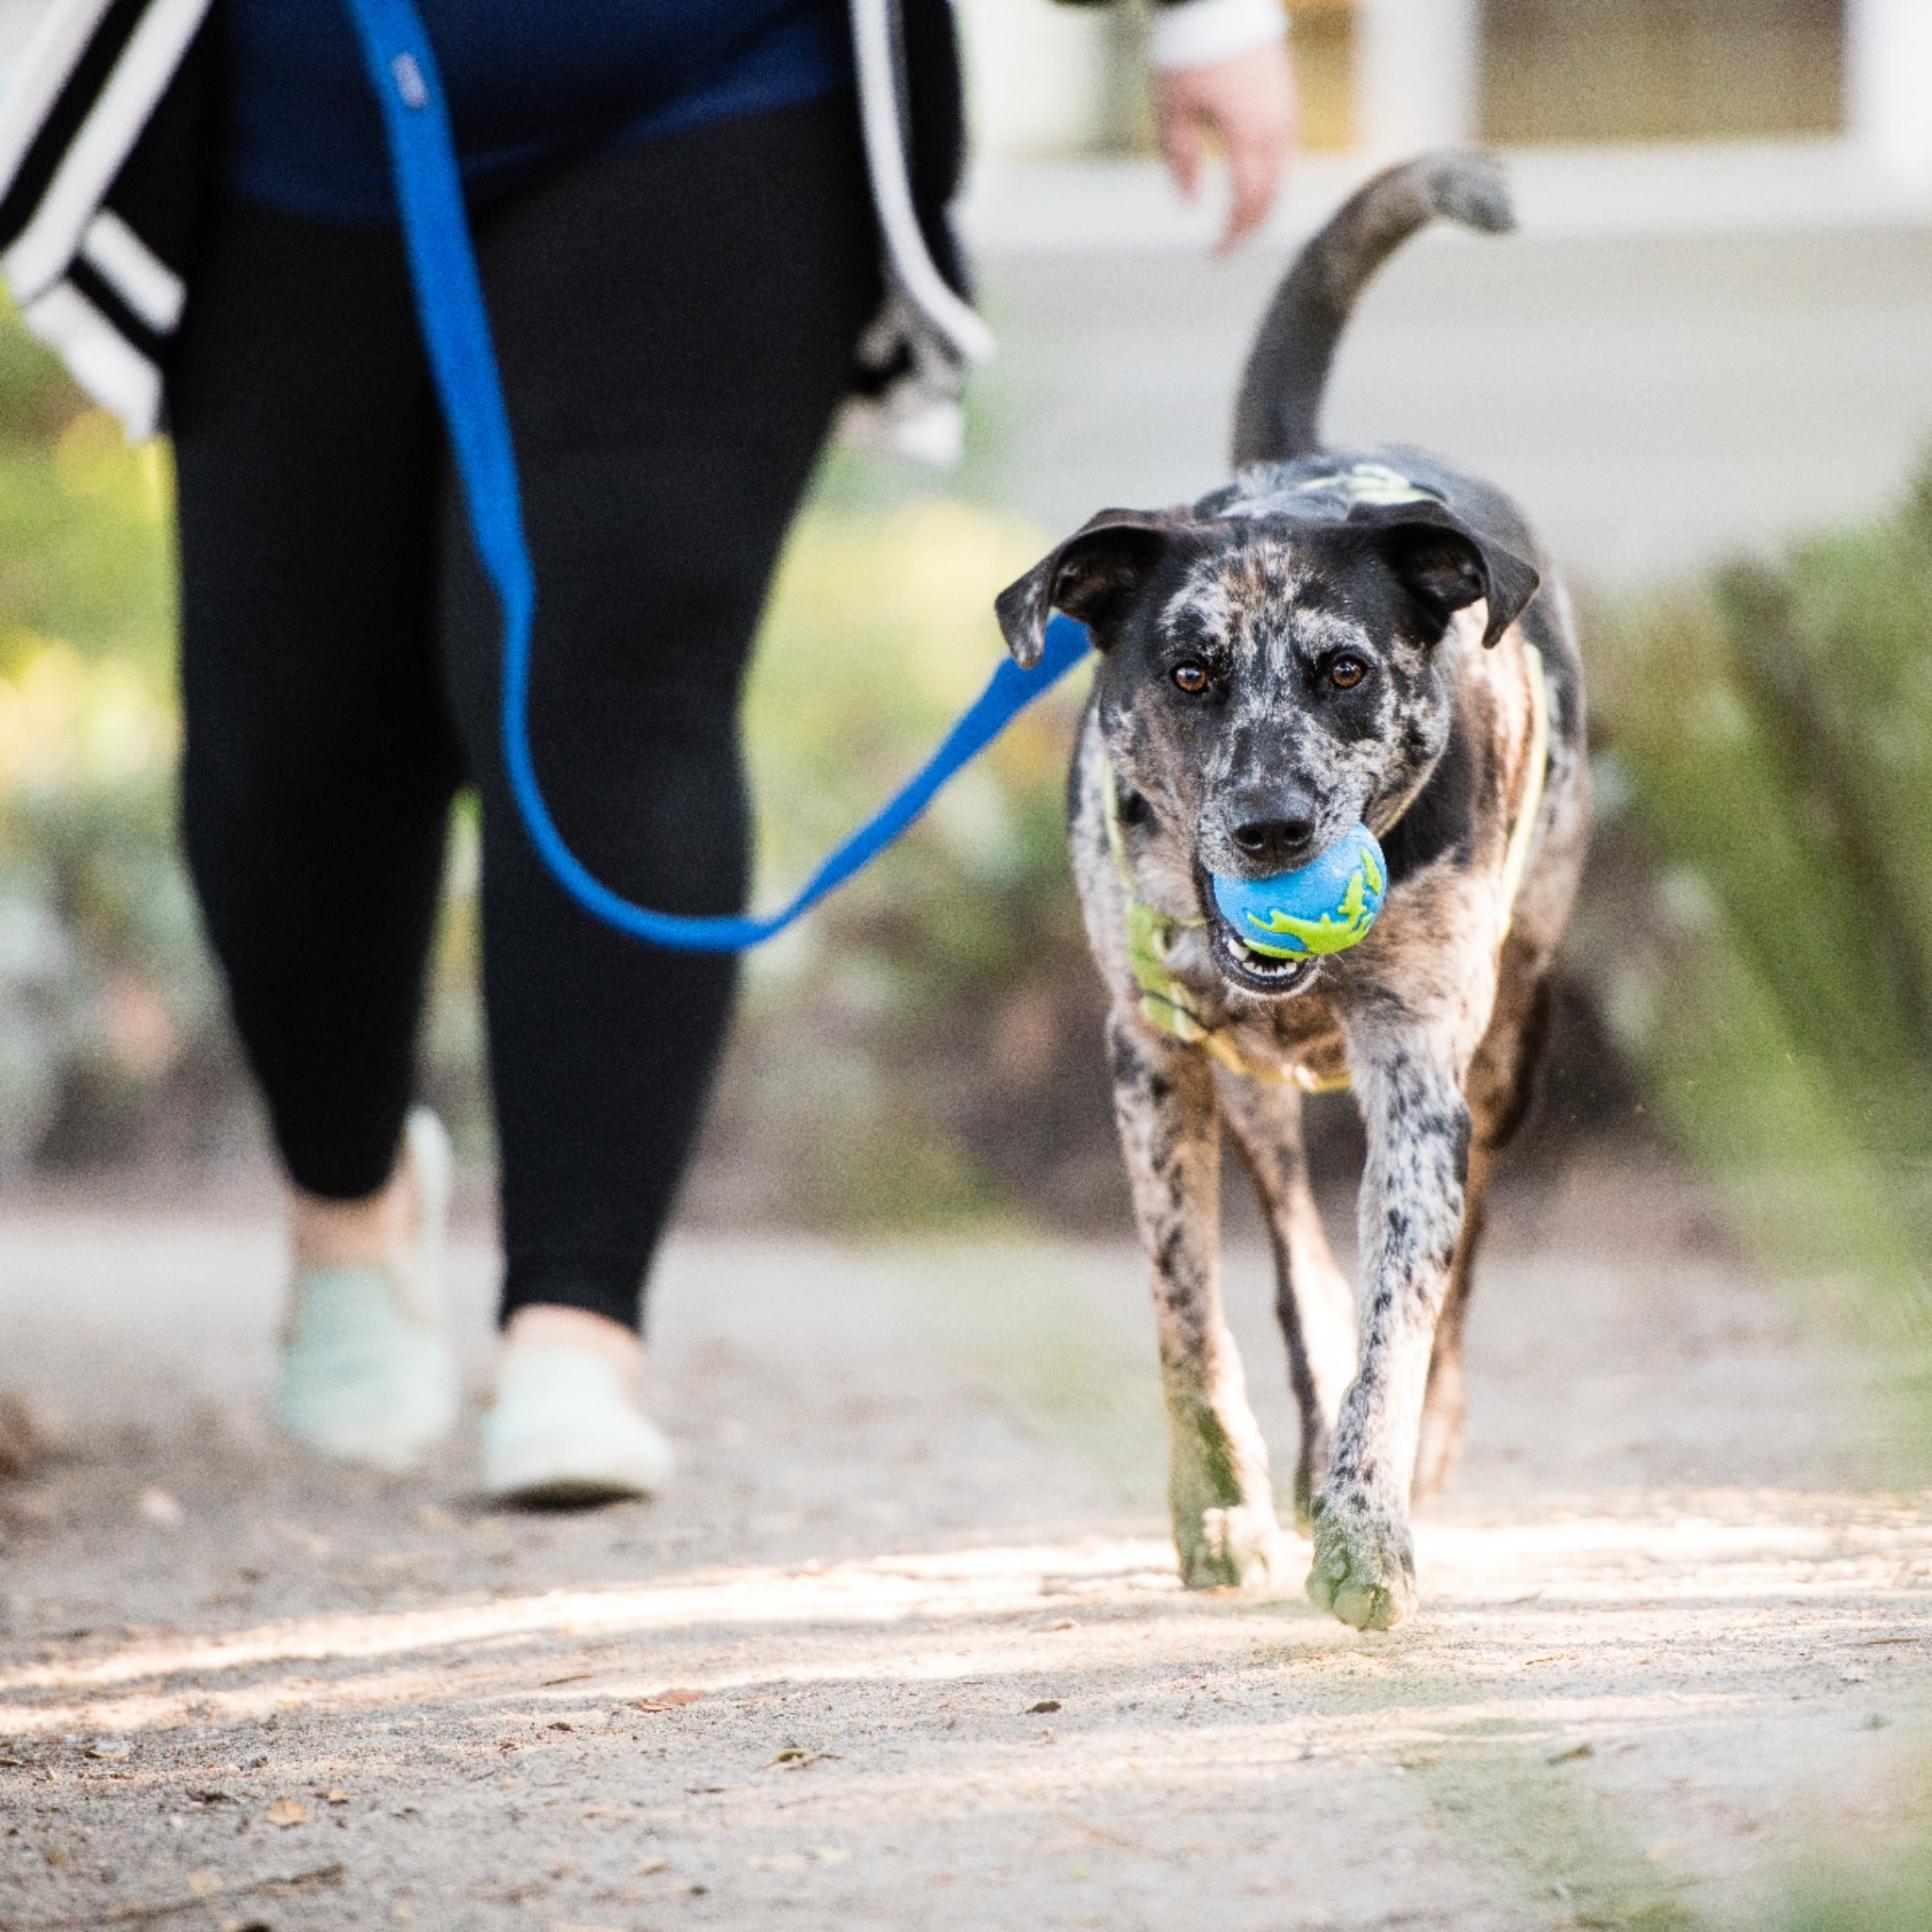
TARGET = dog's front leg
x,y
1223,1505
1411,1213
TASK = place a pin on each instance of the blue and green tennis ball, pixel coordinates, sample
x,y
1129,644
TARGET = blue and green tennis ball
x,y
1323,906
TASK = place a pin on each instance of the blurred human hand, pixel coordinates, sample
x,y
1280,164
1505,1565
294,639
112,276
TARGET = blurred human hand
x,y
1246,103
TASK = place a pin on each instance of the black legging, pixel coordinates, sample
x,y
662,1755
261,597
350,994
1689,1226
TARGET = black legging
x,y
675,323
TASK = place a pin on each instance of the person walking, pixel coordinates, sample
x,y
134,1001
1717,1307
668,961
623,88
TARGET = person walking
x,y
690,217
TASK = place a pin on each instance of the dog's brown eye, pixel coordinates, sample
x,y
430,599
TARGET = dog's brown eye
x,y
1190,676
1344,674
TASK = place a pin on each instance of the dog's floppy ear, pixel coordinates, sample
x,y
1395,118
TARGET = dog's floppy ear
x,y
1090,576
1446,564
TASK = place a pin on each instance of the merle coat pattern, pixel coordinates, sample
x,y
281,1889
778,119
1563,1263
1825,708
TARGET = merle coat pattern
x,y
1334,636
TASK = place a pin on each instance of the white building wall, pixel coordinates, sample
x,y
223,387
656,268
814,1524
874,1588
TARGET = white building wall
x,y
1418,69
1038,83
1888,83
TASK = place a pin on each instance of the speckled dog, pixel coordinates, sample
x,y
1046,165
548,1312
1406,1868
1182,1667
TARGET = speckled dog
x,y
1336,635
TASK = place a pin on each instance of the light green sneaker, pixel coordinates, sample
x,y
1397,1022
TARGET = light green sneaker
x,y
566,1431
366,1373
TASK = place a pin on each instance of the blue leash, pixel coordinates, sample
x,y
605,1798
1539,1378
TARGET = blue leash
x,y
456,333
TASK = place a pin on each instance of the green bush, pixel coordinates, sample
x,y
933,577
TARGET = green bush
x,y
1770,735
104,995
926,1045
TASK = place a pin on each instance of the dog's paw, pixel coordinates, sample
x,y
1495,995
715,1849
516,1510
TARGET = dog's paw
x,y
1241,1547
1364,1570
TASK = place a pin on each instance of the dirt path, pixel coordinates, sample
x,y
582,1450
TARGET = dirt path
x,y
915,1573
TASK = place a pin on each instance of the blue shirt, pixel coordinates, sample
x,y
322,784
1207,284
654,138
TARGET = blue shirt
x,y
528,81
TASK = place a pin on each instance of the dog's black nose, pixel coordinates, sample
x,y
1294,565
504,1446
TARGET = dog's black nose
x,y
1280,841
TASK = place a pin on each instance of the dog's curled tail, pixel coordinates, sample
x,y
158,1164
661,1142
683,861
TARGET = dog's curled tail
x,y
1274,417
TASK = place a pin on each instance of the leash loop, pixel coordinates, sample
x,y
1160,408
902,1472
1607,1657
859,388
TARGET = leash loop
x,y
456,335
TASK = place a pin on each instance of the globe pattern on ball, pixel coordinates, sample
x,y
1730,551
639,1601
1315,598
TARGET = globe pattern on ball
x,y
1323,906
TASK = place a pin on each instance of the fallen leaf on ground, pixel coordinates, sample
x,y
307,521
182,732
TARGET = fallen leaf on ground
x,y
1575,1751
650,1866
205,1881
22,1438
796,1757
1100,1831
1044,1705
288,1811
336,1795
666,1700
570,1677
110,1747
295,1882
560,1725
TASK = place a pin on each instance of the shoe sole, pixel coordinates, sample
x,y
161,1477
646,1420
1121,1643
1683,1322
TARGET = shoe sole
x,y
570,1493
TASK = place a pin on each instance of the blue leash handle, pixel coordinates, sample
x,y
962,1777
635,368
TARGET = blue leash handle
x,y
456,334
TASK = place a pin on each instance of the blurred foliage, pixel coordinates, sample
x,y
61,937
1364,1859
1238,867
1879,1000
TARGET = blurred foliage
x,y
1770,738
1877,1879
102,985
926,1045
1894,1895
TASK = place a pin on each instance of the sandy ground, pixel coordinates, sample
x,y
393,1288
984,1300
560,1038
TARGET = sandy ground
x,y
905,1648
